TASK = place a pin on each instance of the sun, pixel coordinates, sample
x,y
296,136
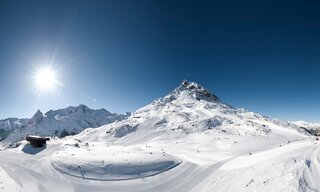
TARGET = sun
x,y
45,78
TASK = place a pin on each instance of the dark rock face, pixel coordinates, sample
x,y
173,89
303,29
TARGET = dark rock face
x,y
312,131
65,133
197,90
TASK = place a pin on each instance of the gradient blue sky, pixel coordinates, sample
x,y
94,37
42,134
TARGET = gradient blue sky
x,y
121,55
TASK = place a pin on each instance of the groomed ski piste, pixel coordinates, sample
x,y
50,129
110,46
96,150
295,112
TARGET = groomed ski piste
x,y
188,140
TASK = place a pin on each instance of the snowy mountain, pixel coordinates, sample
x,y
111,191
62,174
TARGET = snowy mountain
x,y
62,122
207,145
188,140
188,109
9,125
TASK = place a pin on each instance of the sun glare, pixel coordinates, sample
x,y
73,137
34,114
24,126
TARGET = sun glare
x,y
45,79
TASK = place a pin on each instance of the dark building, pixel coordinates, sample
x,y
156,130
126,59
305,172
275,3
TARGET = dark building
x,y
37,141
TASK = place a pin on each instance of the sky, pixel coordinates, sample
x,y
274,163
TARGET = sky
x,y
121,55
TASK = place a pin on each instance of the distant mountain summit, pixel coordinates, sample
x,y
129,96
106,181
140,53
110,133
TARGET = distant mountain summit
x,y
188,109
36,119
62,122
196,90
191,90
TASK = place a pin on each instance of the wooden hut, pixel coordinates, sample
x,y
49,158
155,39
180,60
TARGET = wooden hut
x,y
37,141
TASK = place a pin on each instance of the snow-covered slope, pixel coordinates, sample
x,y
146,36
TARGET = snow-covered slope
x,y
188,109
62,122
114,164
7,184
9,125
188,140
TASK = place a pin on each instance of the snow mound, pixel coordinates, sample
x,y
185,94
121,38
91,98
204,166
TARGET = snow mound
x,y
102,162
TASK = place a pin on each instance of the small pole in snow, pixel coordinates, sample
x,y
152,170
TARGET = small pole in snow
x,y
249,149
81,173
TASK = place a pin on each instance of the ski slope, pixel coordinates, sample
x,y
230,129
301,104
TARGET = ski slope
x,y
291,167
188,140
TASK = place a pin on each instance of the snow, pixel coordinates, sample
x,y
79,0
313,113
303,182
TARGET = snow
x,y
281,169
102,162
188,140
7,184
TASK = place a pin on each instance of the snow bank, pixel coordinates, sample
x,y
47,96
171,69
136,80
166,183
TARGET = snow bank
x,y
102,162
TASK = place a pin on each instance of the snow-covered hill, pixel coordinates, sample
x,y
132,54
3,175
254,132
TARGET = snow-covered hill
x,y
62,122
188,109
188,140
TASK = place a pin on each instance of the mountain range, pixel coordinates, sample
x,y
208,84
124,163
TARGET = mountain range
x,y
188,140
60,123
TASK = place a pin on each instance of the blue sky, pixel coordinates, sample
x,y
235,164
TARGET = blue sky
x,y
121,55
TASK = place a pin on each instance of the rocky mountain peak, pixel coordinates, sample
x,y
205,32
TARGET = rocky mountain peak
x,y
195,90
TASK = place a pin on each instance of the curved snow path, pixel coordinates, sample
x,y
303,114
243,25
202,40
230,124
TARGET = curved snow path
x,y
112,163
35,173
